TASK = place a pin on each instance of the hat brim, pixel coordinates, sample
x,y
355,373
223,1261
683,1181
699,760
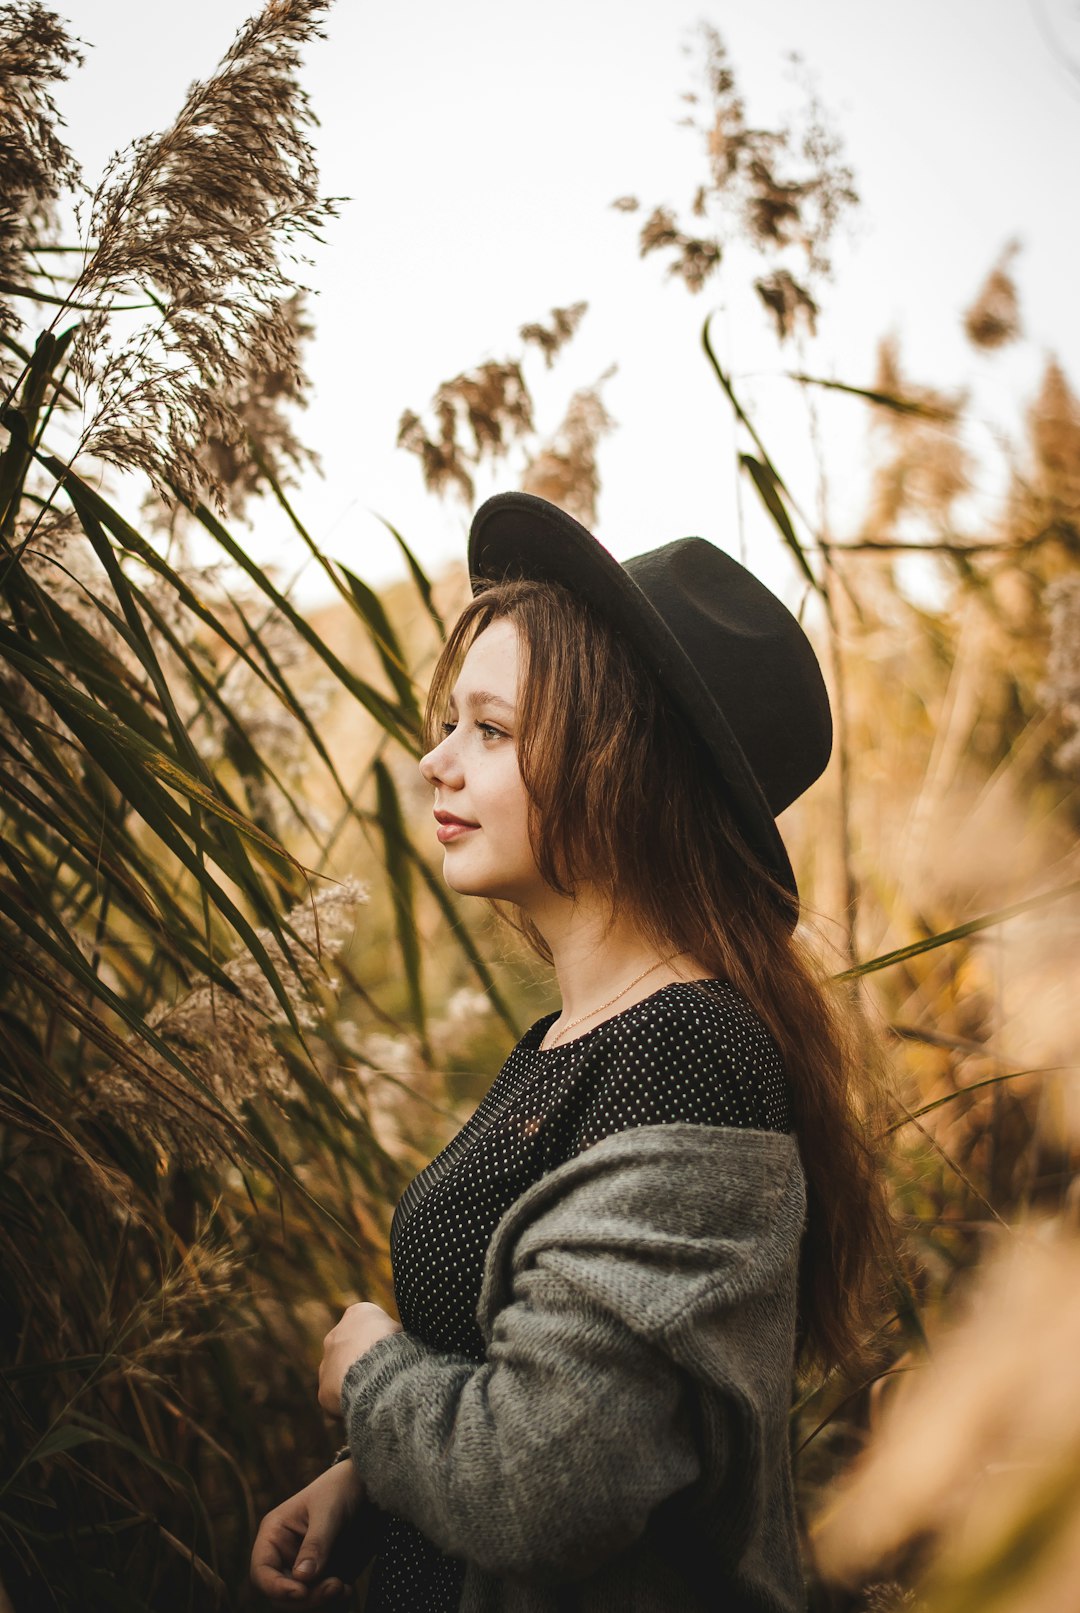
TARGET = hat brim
x,y
518,535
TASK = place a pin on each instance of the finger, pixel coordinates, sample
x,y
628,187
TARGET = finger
x,y
289,1594
326,1593
295,1596
331,1590
310,1560
311,1557
283,1591
271,1557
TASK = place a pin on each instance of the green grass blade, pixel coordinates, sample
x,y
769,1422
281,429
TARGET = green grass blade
x,y
245,756
55,1442
82,715
139,640
883,400
388,716
130,539
158,810
770,486
25,358
168,932
373,614
9,288
419,576
399,872
322,560
22,421
75,799
278,681
972,927
973,1086
239,864
769,491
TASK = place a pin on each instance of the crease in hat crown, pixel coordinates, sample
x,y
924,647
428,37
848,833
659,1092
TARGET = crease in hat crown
x,y
724,647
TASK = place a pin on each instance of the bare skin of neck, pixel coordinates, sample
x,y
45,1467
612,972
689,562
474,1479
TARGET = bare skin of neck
x,y
594,958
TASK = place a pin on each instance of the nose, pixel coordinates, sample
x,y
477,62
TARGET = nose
x,y
439,765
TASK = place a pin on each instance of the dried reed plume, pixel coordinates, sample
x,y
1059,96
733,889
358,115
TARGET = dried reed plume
x,y
974,1464
1061,686
492,404
1048,492
994,317
783,192
35,165
550,339
227,1038
203,221
565,470
926,466
696,256
788,302
889,1596
262,403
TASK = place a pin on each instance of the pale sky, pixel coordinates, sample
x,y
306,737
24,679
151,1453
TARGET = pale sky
x,y
482,143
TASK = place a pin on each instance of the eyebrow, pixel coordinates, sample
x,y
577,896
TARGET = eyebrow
x,y
483,697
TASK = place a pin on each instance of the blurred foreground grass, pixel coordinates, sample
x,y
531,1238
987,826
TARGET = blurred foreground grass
x,y
237,1007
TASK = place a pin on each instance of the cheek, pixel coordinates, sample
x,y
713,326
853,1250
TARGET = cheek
x,y
517,813
511,805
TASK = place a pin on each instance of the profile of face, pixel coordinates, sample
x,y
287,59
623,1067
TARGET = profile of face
x,y
481,805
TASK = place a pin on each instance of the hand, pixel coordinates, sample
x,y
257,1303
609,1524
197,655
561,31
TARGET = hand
x,y
360,1327
301,1553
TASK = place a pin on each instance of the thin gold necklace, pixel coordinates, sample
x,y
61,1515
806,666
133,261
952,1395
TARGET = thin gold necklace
x,y
636,981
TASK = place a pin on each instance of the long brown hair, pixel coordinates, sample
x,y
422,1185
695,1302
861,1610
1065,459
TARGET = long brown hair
x,y
622,795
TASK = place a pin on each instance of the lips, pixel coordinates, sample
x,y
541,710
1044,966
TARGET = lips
x,y
451,828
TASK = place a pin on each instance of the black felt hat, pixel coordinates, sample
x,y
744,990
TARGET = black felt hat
x,y
728,653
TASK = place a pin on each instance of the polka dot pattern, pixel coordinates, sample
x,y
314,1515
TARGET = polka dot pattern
x,y
692,1052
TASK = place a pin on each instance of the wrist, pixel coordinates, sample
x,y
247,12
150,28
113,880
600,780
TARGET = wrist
x,y
343,1479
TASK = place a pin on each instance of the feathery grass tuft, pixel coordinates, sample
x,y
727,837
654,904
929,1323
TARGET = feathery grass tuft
x,y
202,222
36,167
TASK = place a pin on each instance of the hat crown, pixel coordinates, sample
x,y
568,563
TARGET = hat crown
x,y
752,657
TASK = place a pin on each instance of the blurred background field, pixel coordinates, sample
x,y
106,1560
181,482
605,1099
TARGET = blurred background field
x,y
238,1008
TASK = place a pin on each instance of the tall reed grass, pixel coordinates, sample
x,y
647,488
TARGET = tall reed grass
x,y
237,1007
196,1120
947,846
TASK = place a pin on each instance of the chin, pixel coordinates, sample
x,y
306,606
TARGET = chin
x,y
475,883
490,891
461,880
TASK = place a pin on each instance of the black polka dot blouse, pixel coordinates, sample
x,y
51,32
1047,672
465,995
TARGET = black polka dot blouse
x,y
692,1052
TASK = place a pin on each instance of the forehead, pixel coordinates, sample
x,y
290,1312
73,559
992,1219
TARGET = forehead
x,y
492,663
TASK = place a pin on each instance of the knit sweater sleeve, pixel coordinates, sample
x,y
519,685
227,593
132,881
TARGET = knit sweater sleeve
x,y
637,1310
539,1463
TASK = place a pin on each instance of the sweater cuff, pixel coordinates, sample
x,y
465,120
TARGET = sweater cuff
x,y
372,1373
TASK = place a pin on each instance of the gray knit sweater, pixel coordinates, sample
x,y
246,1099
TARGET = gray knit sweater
x,y
623,1448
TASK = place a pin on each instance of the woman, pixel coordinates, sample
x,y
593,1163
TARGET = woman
x,y
666,1198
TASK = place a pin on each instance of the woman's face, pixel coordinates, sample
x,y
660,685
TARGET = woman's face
x,y
481,806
